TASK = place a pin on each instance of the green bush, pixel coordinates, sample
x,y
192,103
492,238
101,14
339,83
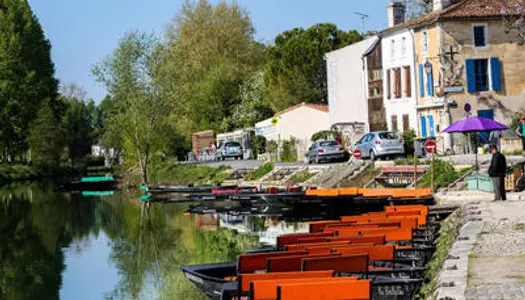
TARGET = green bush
x,y
289,151
444,174
408,140
271,146
258,145
301,177
325,135
13,173
259,172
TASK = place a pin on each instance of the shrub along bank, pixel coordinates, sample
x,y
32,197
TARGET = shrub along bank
x,y
16,173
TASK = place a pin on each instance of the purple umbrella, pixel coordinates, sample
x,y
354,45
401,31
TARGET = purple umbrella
x,y
475,124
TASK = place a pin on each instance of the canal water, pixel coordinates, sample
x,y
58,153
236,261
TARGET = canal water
x,y
65,246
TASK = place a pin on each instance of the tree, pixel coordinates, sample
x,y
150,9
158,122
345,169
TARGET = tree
x,y
295,69
210,52
253,107
513,13
26,74
46,140
141,110
79,130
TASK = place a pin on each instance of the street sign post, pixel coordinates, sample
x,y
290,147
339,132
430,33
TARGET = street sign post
x,y
357,154
430,147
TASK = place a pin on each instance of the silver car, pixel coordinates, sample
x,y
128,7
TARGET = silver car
x,y
324,151
381,144
229,149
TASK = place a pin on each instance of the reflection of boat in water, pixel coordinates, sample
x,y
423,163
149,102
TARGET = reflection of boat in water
x,y
387,249
95,184
97,193
190,188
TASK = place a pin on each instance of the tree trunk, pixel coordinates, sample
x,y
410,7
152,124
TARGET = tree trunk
x,y
142,162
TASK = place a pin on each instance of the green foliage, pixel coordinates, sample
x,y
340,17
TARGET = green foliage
x,y
259,172
325,135
174,173
448,233
408,139
13,173
271,146
295,69
258,145
140,109
409,161
78,123
26,75
301,177
289,150
46,141
444,173
210,53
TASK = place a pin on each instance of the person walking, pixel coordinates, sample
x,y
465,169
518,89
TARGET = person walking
x,y
520,131
497,172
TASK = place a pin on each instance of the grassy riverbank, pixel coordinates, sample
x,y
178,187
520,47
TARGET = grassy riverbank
x,y
173,173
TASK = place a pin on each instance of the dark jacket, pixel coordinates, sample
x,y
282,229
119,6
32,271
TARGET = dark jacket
x,y
498,165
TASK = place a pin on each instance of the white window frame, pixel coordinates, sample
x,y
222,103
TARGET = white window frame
x,y
489,74
393,50
403,47
424,42
486,30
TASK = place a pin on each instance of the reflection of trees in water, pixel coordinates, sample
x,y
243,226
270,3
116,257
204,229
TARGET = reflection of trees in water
x,y
34,227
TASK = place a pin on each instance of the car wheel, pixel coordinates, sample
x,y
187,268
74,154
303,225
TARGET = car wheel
x,y
372,155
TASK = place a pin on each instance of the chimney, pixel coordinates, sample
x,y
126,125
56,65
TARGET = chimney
x,y
396,13
442,4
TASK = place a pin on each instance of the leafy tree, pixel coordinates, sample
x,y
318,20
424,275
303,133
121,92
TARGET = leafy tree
x,y
26,74
417,8
141,111
513,13
295,69
78,125
46,140
253,106
210,51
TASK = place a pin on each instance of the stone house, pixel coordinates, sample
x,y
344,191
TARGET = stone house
x,y
464,56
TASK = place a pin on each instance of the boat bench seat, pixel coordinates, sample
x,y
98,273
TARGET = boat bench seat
x,y
291,263
245,279
287,239
339,264
267,289
346,289
249,263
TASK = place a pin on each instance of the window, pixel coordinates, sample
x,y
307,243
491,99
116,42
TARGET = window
x,y
391,136
394,122
405,123
408,83
397,83
480,35
483,75
424,42
388,85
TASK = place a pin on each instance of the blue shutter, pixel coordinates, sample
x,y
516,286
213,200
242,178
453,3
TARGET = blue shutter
x,y
430,84
495,68
471,76
431,125
421,81
423,126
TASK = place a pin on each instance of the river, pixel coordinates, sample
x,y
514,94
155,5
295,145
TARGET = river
x,y
65,246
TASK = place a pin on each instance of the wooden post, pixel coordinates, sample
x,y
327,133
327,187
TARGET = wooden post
x,y
415,169
432,172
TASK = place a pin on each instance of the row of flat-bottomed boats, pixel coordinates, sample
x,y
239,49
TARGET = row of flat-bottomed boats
x,y
378,255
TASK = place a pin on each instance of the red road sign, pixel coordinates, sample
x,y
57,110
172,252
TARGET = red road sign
x,y
357,154
430,146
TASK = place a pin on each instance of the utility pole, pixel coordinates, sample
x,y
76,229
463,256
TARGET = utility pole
x,y
363,18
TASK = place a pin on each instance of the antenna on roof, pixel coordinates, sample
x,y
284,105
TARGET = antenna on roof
x,y
363,18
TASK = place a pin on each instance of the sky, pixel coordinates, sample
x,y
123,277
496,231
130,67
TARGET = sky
x,y
82,33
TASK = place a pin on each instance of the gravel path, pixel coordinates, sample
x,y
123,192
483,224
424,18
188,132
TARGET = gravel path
x,y
497,263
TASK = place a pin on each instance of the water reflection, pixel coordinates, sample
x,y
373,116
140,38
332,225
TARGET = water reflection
x,y
106,247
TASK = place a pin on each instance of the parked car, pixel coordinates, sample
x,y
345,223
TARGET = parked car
x,y
324,151
381,144
229,149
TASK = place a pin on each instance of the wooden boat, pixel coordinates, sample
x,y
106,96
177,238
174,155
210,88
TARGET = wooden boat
x,y
381,247
100,183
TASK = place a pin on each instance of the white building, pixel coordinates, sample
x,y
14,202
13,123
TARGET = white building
x,y
299,122
399,82
348,84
